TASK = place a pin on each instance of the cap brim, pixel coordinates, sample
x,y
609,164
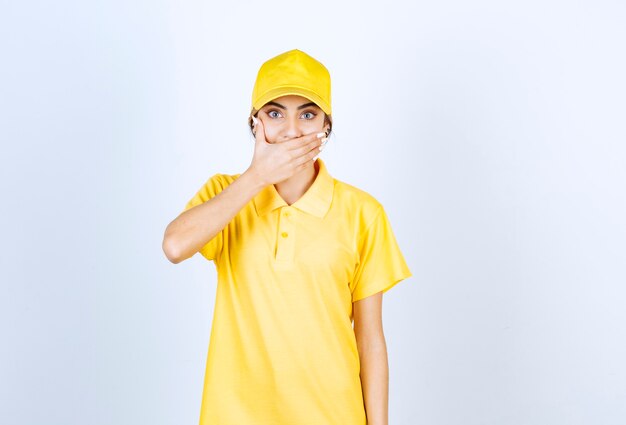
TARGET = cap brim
x,y
287,90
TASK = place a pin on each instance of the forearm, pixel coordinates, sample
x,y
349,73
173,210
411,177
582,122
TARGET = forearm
x,y
375,379
194,228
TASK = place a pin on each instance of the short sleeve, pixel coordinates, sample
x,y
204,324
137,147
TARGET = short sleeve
x,y
209,189
381,263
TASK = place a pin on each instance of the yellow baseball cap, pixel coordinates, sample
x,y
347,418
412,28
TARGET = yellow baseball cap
x,y
292,72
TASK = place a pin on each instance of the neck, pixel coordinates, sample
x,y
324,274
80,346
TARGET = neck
x,y
295,186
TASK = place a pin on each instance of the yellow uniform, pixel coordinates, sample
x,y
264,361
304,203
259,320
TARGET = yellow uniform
x,y
282,349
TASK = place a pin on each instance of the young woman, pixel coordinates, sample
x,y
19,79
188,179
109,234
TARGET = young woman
x,y
300,256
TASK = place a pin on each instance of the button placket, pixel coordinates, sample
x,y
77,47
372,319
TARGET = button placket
x,y
286,236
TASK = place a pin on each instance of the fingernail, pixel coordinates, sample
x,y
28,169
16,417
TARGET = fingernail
x,y
315,157
254,120
321,147
320,135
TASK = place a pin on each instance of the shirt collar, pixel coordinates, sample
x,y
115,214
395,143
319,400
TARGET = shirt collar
x,y
316,200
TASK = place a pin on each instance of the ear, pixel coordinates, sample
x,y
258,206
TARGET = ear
x,y
327,123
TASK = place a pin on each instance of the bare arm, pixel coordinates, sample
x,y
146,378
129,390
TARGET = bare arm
x,y
193,228
271,163
368,329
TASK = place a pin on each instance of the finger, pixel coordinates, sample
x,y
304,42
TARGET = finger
x,y
314,145
306,161
259,129
298,142
308,156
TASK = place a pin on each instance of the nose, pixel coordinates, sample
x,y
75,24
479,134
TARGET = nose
x,y
292,129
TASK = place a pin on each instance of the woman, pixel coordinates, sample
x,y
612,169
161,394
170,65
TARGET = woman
x,y
299,256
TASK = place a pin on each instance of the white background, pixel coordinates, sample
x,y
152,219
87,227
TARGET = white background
x,y
492,132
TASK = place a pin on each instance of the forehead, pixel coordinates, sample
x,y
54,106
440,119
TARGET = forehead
x,y
291,101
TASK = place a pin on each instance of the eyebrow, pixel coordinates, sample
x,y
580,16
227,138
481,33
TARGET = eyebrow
x,y
299,107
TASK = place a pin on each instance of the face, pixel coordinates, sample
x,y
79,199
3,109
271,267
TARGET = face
x,y
291,116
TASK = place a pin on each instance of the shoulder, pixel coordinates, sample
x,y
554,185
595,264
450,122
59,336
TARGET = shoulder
x,y
361,204
222,178
211,187
219,181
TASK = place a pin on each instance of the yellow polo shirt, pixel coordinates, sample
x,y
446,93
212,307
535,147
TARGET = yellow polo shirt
x,y
282,349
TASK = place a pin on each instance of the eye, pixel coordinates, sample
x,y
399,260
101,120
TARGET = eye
x,y
270,113
311,114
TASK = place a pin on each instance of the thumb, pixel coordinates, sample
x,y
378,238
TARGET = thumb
x,y
259,129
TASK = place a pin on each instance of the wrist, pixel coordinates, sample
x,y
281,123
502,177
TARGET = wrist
x,y
254,179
